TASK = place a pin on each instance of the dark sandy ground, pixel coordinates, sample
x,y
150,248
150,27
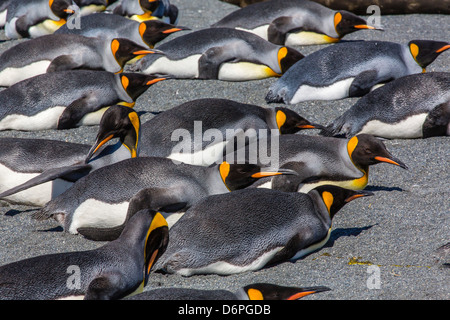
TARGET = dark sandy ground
x,y
395,232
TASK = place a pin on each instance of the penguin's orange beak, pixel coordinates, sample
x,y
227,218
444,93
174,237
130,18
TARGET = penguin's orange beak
x,y
443,48
155,81
69,11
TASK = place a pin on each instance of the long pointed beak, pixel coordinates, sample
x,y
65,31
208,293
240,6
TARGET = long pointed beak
x,y
392,161
311,126
306,292
69,11
443,48
155,81
172,30
359,195
145,52
263,174
365,26
97,146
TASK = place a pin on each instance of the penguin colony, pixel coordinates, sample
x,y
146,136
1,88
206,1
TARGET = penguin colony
x,y
142,195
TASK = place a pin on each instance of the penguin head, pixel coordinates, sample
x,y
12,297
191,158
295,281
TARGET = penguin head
x,y
83,3
154,31
335,197
425,52
136,84
346,22
366,150
125,50
268,291
289,122
118,122
150,228
149,5
239,176
61,8
287,57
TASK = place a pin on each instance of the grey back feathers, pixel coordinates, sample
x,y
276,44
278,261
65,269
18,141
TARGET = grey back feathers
x,y
385,111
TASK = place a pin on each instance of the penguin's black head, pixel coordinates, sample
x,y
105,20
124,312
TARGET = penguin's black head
x,y
346,22
61,8
83,3
118,122
268,291
289,122
125,50
335,197
149,5
147,227
366,150
136,84
287,57
239,176
426,51
154,31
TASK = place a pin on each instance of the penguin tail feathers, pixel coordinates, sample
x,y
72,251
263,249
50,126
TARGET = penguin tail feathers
x,y
42,214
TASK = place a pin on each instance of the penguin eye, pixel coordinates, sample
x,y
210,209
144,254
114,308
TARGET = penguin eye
x,y
368,151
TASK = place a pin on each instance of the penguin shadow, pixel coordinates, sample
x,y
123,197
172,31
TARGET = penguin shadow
x,y
345,232
14,212
382,188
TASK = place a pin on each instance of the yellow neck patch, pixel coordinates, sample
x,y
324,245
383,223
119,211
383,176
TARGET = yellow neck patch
x,y
327,199
351,145
224,170
134,118
281,54
254,294
125,82
414,50
142,28
337,19
157,222
281,119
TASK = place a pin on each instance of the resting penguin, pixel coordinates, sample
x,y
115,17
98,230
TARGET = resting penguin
x,y
322,160
249,229
110,26
35,18
67,99
332,73
96,205
219,53
254,291
141,10
414,106
294,22
32,173
59,52
200,131
118,269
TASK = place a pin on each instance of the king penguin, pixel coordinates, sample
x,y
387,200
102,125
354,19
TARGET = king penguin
x,y
321,160
68,99
200,131
88,7
333,73
219,53
141,10
110,26
254,291
116,270
294,22
32,173
96,206
58,52
35,18
252,228
414,106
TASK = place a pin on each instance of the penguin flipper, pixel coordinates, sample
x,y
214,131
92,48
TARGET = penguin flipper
x,y
62,63
71,173
291,183
108,286
22,26
210,61
437,122
278,28
72,115
363,83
